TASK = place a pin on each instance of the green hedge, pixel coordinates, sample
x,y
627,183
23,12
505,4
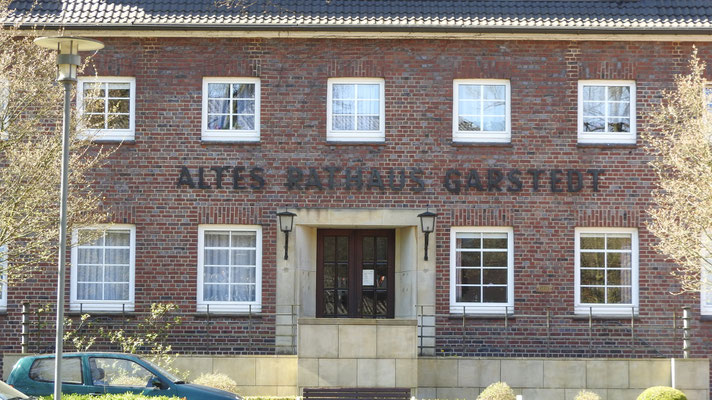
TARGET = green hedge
x,y
125,396
662,393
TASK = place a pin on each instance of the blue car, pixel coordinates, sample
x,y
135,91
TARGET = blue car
x,y
100,373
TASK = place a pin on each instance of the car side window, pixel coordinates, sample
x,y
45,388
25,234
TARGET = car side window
x,y
119,372
43,370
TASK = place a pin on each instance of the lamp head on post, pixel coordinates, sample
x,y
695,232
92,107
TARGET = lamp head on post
x,y
286,223
427,225
68,49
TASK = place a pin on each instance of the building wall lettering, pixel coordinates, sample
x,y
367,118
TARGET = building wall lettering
x,y
395,179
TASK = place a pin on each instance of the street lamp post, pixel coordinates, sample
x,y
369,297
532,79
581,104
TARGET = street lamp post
x,y
68,60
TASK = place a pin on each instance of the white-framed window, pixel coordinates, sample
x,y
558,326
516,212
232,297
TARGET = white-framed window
x,y
705,292
3,278
355,110
229,268
606,112
109,105
481,110
103,270
481,270
4,111
606,268
231,109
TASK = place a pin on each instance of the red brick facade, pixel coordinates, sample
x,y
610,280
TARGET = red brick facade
x,y
140,182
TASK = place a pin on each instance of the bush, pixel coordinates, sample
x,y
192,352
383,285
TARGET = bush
x,y
497,391
124,396
217,381
586,395
662,393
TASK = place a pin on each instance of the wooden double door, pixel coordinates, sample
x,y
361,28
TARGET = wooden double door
x,y
355,273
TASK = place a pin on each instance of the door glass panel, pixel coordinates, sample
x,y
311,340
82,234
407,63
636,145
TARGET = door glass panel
x,y
367,249
329,302
382,249
381,303
342,248
342,303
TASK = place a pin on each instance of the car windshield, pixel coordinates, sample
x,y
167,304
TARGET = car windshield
x,y
7,391
163,372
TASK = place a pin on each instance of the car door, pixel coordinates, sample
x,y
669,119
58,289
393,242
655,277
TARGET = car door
x,y
121,375
42,376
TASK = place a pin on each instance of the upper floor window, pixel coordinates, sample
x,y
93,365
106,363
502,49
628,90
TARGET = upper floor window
x,y
355,110
481,270
606,271
3,278
231,109
606,112
481,110
705,293
103,269
229,268
108,104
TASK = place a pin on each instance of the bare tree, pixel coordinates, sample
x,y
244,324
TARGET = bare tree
x,y
679,138
30,156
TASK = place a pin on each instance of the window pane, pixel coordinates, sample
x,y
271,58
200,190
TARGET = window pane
x,y
116,273
243,122
89,273
119,90
469,259
619,125
329,248
217,239
469,276
593,241
96,121
619,242
217,257
618,93
243,106
90,256
243,275
594,109
343,91
593,277
494,124
495,241
496,294
593,260
493,92
244,257
494,259
94,106
368,123
213,292
218,106
43,370
469,92
94,89
342,248
465,242
368,91
344,107
116,291
468,294
343,123
244,239
619,295
218,122
597,93
118,256
242,292
89,291
493,108
469,108
219,90
619,260
594,125
216,274
469,123
619,277
120,121
368,107
119,106
619,109
494,276
595,295
243,90
118,372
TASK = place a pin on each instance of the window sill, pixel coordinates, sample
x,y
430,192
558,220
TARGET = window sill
x,y
355,143
607,145
605,316
94,309
703,317
131,141
205,141
481,144
474,315
95,313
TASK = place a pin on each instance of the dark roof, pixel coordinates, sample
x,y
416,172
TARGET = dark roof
x,y
412,15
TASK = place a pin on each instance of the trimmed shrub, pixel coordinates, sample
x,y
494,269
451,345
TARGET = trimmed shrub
x,y
586,395
217,381
497,391
662,393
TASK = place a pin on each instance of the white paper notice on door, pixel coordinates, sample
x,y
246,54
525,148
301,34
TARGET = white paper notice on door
x,y
368,277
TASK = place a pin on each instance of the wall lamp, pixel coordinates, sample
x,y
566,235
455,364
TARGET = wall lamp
x,y
427,225
286,223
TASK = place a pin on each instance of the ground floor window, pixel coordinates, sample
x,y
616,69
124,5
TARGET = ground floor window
x,y
606,270
3,278
355,273
103,268
229,268
481,270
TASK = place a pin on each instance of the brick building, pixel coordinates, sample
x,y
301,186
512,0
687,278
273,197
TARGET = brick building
x,y
517,122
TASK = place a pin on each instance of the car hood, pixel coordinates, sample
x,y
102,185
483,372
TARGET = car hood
x,y
10,392
192,390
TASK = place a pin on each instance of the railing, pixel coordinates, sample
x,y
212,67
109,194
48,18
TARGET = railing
x,y
502,333
206,332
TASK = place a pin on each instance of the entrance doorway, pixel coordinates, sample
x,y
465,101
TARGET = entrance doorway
x,y
355,273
